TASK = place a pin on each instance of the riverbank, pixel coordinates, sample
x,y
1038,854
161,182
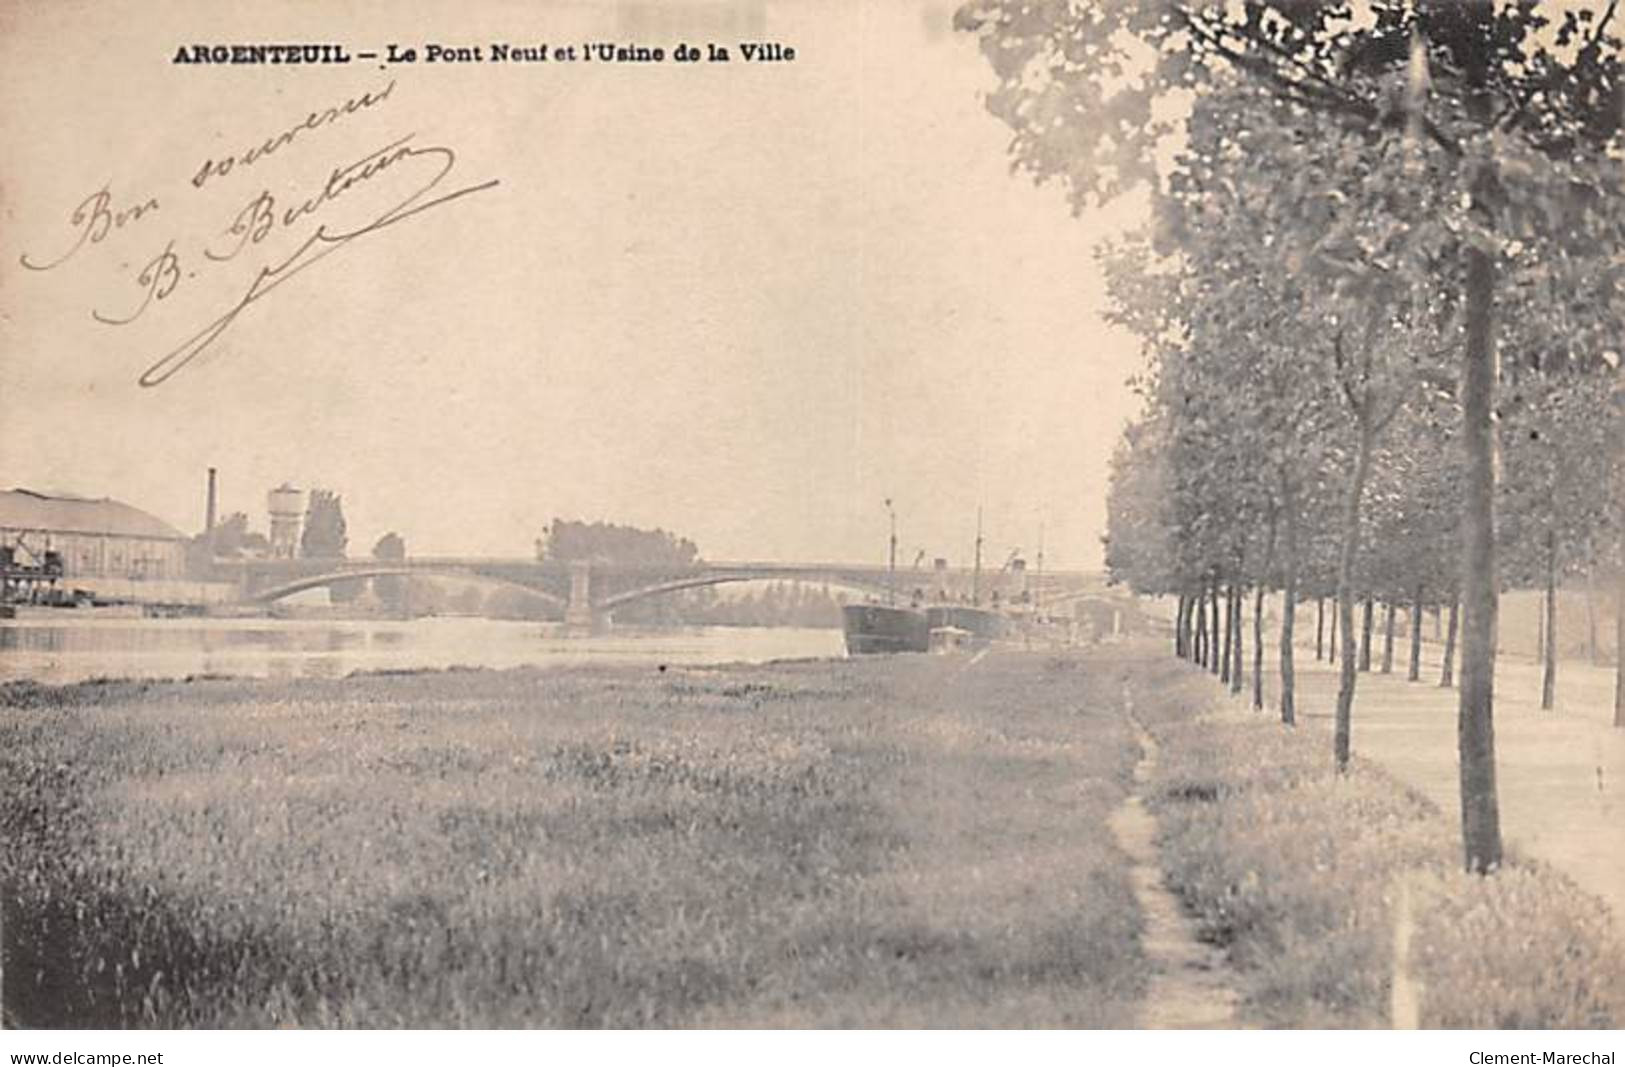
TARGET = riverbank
x,y
880,841
892,841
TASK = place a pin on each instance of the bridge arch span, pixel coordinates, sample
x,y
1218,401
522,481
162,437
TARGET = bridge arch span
x,y
677,585
332,578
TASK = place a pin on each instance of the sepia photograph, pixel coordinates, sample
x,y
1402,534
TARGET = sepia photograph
x,y
858,516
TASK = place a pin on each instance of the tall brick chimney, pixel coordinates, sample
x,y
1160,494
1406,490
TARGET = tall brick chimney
x,y
209,509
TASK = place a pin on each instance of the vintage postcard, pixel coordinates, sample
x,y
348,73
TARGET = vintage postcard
x,y
718,513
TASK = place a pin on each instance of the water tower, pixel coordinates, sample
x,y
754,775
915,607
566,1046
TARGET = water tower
x,y
287,507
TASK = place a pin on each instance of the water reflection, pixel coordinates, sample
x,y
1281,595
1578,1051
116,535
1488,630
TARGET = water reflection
x,y
48,650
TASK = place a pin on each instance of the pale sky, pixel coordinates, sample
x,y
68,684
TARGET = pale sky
x,y
745,302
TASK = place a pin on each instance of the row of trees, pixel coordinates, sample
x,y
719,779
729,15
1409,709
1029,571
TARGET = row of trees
x,y
1380,306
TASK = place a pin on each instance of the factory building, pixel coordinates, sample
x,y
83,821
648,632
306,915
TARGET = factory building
x,y
94,539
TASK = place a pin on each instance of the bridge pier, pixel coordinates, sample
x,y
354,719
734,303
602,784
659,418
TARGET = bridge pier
x,y
578,613
249,584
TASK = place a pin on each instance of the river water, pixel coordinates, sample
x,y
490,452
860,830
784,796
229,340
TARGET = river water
x,y
71,650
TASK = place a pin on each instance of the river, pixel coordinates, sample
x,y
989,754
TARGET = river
x,y
71,650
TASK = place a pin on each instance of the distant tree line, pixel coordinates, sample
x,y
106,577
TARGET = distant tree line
x,y
779,604
606,542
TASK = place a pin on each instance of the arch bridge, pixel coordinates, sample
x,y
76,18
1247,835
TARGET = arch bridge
x,y
586,593
331,578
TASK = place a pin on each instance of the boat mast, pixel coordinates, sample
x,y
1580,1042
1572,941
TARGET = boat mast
x,y
891,559
1038,586
976,574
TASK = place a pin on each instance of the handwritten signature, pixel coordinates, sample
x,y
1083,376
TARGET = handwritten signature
x,y
314,120
424,168
260,218
94,219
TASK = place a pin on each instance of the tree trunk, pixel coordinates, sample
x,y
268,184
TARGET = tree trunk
x,y
1475,724
1258,649
1201,627
1447,673
1289,613
1199,638
1237,600
1258,608
1548,681
1345,591
1179,627
1540,633
1214,648
1331,644
1365,637
1227,668
1416,638
1210,626
1388,641
1320,628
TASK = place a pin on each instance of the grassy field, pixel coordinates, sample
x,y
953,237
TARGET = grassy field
x,y
898,841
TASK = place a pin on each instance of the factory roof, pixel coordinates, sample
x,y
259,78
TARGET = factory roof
x,y
24,509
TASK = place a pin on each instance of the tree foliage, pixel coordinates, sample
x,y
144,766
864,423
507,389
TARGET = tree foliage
x,y
390,546
324,535
391,589
1345,197
569,540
